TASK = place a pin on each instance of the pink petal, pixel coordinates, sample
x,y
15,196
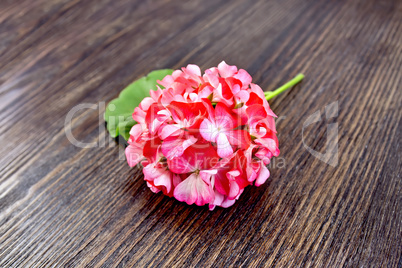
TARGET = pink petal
x,y
154,126
167,130
199,156
234,190
226,70
206,175
190,140
175,146
268,143
146,103
208,130
222,201
153,188
221,182
264,154
136,131
241,115
224,118
257,90
163,113
158,177
211,77
193,69
186,112
224,147
213,70
232,174
244,77
262,176
164,180
240,138
219,98
193,96
260,93
176,74
139,115
251,174
256,113
217,201
210,112
243,96
134,154
180,165
153,119
176,180
155,94
228,202
271,123
186,191
202,156
166,81
268,110
205,92
151,149
194,190
254,99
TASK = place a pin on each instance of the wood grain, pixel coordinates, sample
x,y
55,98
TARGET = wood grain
x,y
61,205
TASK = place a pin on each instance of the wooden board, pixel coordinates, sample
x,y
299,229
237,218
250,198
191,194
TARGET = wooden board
x,y
61,205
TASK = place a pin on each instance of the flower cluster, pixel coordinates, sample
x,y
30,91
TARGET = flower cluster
x,y
204,138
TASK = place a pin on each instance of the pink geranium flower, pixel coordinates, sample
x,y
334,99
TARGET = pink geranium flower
x,y
204,137
197,163
221,127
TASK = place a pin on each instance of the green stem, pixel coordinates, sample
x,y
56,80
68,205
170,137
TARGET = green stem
x,y
270,94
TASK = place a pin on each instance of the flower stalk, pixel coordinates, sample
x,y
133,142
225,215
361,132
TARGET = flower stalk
x,y
297,79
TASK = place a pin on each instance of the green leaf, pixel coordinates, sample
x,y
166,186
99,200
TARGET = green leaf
x,y
118,114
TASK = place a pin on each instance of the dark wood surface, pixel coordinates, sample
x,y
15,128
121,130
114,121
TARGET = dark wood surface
x,y
61,205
